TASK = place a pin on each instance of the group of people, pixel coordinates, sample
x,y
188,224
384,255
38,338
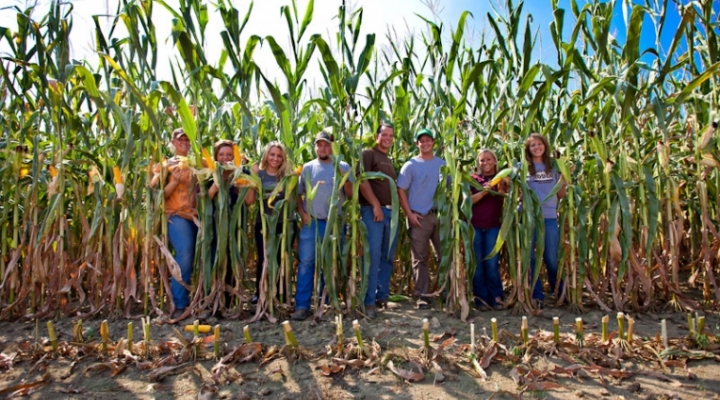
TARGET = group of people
x,y
415,185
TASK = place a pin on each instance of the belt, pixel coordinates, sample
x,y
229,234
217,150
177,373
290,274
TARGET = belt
x,y
389,207
432,210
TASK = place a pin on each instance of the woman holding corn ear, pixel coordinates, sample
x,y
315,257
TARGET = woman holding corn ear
x,y
542,179
487,219
273,167
224,153
180,208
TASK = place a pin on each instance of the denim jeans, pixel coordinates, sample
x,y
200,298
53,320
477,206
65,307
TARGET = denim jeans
x,y
381,263
550,256
182,234
486,282
306,264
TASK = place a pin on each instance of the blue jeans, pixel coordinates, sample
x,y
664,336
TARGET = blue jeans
x,y
550,256
306,264
381,263
486,282
182,234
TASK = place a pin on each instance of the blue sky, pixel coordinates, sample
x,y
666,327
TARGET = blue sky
x,y
379,16
541,12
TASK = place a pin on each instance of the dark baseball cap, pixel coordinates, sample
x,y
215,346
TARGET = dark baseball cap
x,y
322,135
424,131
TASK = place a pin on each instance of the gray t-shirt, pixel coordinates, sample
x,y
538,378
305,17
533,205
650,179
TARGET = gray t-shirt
x,y
542,184
420,178
323,175
268,185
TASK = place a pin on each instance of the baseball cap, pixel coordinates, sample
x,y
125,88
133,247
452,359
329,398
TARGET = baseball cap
x,y
322,135
177,133
424,131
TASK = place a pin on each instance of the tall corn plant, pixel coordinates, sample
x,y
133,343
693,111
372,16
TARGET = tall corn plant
x,y
83,233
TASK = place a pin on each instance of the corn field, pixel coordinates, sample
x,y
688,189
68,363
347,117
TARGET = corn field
x,y
82,231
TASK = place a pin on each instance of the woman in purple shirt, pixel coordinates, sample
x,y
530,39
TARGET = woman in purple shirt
x,y
486,219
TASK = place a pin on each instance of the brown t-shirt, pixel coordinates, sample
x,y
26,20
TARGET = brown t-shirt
x,y
182,200
375,160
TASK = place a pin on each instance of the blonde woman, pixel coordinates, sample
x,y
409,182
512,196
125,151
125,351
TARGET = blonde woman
x,y
273,167
487,219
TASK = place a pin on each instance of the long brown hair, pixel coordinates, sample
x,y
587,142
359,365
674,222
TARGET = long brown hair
x,y
545,157
284,167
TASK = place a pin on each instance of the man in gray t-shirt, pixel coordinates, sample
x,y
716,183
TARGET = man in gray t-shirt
x,y
318,177
417,183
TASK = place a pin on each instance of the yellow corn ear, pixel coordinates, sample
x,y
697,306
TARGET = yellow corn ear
x,y
208,159
117,175
53,171
237,157
201,328
500,175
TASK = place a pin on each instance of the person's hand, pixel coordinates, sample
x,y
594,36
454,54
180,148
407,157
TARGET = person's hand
x,y
305,218
181,175
255,168
378,214
414,219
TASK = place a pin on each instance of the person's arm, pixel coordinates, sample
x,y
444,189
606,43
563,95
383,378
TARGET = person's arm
x,y
563,190
213,190
347,187
251,196
478,195
176,176
367,191
368,194
413,218
252,193
304,216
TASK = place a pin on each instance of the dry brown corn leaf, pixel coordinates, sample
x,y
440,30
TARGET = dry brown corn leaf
x,y
114,368
488,356
25,388
405,374
328,370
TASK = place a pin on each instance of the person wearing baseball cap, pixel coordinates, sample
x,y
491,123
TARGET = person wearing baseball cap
x,y
424,132
325,137
418,180
180,208
317,175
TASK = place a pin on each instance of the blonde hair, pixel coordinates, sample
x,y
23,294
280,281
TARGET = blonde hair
x,y
284,167
492,153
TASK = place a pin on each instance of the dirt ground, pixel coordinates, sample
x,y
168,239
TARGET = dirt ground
x,y
540,372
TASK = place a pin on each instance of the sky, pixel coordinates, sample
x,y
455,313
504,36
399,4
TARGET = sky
x,y
379,17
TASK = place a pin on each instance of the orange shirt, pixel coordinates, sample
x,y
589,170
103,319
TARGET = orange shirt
x,y
181,201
